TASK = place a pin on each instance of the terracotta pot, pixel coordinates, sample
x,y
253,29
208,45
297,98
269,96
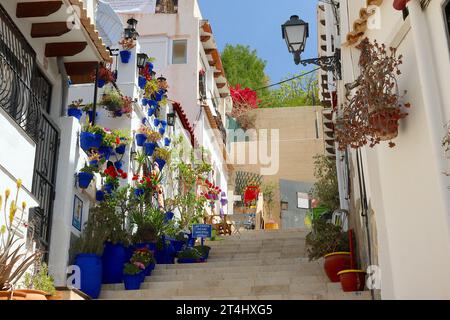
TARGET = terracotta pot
x,y
352,280
384,122
33,294
336,262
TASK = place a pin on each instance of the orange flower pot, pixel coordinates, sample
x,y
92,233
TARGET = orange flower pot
x,y
336,262
352,280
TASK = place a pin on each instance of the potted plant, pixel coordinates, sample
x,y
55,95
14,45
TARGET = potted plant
x,y
15,260
109,143
352,280
88,109
132,275
127,46
127,107
91,137
105,76
141,135
124,138
144,256
372,114
75,109
204,251
89,248
112,101
328,241
190,255
161,156
152,137
94,159
85,176
40,281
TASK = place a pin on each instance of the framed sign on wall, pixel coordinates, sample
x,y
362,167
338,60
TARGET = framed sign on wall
x,y
303,201
77,216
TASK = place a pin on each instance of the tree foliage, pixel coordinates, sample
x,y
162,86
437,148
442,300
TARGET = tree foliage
x,y
302,91
326,188
243,67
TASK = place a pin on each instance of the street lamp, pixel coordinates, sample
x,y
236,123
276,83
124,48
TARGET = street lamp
x,y
295,32
130,31
141,60
171,119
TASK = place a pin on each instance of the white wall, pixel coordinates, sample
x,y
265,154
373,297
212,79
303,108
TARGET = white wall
x,y
405,184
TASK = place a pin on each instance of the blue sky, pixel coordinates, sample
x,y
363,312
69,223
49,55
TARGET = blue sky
x,y
257,23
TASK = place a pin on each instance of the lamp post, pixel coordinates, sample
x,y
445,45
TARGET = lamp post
x,y
295,32
130,31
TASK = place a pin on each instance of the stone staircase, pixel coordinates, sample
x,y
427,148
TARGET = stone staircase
x,y
255,265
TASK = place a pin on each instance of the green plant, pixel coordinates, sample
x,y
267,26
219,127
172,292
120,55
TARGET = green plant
x,y
326,188
40,280
76,104
190,253
96,129
144,256
153,136
94,234
325,238
89,169
268,190
203,250
123,135
110,140
161,153
88,107
112,101
14,259
132,269
160,244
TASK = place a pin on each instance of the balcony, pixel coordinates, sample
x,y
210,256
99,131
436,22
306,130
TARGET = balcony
x,y
23,91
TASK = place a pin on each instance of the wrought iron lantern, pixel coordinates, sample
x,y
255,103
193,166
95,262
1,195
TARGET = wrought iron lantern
x,y
141,60
171,119
130,31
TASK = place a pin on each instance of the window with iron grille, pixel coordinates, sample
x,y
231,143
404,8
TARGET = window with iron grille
x,y
24,92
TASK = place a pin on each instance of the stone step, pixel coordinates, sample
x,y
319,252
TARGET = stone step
x,y
260,253
217,292
278,238
234,283
258,248
239,263
163,277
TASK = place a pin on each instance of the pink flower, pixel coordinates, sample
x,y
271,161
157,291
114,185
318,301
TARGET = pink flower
x,y
140,265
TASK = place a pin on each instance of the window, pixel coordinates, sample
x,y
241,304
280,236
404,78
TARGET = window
x,y
179,52
284,205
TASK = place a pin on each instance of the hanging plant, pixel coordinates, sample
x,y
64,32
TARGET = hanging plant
x,y
105,76
112,101
372,115
127,46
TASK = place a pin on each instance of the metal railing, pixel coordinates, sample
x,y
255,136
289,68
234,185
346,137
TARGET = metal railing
x,y
23,90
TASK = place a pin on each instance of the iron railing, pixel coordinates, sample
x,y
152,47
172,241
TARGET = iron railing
x,y
23,90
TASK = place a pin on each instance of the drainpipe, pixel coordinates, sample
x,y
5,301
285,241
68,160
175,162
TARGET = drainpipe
x,y
64,85
432,99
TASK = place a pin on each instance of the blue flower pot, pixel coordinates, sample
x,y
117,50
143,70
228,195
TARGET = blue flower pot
x,y
101,83
159,95
153,103
87,140
169,216
150,66
108,188
142,82
178,245
163,257
140,139
163,123
90,115
93,163
118,165
125,56
161,163
149,269
189,260
132,282
139,192
100,196
91,274
167,142
114,258
149,148
84,179
118,113
144,101
162,131
149,245
121,149
151,111
105,152
74,112
156,122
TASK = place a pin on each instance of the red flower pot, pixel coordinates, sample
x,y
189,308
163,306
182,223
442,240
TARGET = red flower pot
x,y
352,280
336,262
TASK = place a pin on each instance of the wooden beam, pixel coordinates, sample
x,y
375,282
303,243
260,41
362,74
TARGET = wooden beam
x,y
64,49
37,8
49,29
204,38
221,85
217,74
80,68
209,51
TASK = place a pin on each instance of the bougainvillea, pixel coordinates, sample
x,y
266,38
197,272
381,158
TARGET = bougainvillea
x,y
244,100
373,112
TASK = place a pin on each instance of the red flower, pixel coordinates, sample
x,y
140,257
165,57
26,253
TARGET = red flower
x,y
135,177
117,140
124,175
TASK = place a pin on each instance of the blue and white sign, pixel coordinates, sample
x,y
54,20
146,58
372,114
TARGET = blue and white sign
x,y
201,231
